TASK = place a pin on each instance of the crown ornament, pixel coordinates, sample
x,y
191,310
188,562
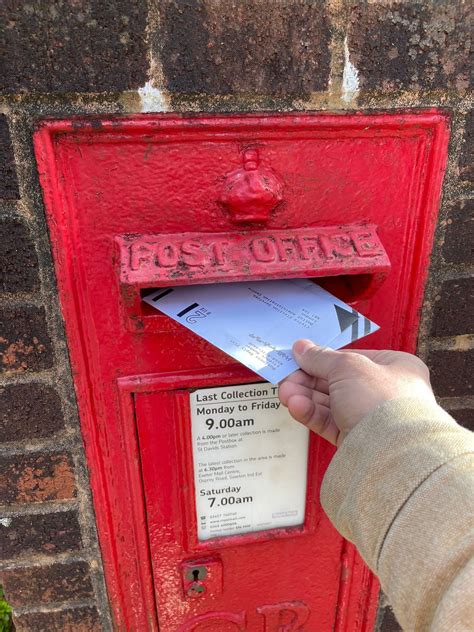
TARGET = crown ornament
x,y
252,192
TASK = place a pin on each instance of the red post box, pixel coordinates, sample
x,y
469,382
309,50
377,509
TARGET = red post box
x,y
159,201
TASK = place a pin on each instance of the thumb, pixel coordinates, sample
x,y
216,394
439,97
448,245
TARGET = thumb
x,y
314,360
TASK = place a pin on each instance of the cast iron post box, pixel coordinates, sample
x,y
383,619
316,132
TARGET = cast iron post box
x,y
159,201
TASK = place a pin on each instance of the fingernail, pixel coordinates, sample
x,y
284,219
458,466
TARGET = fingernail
x,y
301,346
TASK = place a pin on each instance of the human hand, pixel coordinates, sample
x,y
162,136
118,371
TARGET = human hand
x,y
336,389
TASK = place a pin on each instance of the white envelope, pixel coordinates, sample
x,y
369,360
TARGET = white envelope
x,y
257,322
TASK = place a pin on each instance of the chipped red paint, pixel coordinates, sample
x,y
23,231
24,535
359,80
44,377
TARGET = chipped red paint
x,y
136,202
287,616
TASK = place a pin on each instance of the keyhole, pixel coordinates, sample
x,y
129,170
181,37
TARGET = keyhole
x,y
196,575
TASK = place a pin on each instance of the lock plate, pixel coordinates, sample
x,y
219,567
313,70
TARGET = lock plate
x,y
202,577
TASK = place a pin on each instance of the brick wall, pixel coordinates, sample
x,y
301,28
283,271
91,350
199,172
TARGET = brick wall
x,y
50,565
65,58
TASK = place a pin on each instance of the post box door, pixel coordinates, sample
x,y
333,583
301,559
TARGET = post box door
x,y
156,201
264,579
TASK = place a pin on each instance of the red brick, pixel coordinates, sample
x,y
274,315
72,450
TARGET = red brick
x,y
31,478
411,45
74,620
459,239
46,584
454,311
466,162
18,261
24,340
29,411
452,372
464,416
49,533
220,48
8,180
74,46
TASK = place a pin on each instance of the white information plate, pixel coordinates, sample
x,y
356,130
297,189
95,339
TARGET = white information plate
x,y
250,461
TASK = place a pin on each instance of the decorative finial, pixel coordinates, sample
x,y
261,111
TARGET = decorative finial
x,y
251,192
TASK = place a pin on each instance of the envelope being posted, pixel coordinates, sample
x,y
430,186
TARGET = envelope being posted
x,y
257,322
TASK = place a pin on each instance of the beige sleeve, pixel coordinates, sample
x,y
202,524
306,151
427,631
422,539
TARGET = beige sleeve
x,y
401,488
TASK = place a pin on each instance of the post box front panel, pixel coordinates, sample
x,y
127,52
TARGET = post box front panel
x,y
156,201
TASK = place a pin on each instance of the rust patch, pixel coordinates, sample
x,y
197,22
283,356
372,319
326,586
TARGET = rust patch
x,y
37,479
24,341
14,352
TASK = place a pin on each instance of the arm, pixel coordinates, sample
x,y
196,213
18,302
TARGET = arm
x,y
400,485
